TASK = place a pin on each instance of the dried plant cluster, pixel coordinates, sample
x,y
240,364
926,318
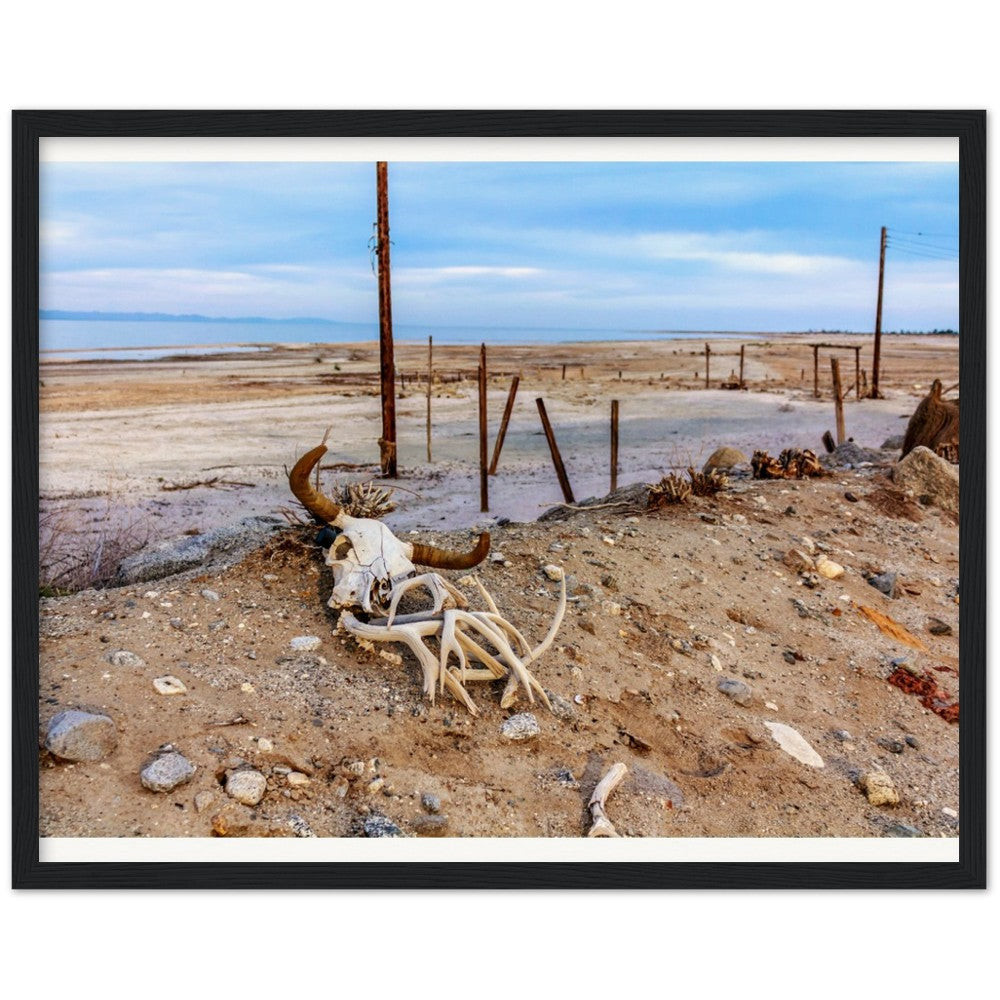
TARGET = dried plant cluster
x,y
365,500
792,463
707,484
672,489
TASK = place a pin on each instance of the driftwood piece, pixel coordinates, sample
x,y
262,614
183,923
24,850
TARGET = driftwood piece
x,y
602,826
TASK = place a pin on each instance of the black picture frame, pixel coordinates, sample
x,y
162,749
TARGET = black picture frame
x,y
28,127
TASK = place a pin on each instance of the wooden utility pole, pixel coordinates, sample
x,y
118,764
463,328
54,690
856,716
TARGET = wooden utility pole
x,y
430,379
838,400
387,367
507,410
484,496
875,394
614,445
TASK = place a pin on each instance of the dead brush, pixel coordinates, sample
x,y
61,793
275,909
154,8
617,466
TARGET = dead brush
x,y
671,489
72,557
707,484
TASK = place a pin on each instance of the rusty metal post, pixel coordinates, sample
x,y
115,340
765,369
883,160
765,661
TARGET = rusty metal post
x,y
554,449
614,445
815,371
742,349
484,499
857,372
708,352
430,379
387,368
875,394
838,400
507,410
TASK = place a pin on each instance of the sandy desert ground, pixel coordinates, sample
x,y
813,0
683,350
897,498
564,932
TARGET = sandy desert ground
x,y
664,605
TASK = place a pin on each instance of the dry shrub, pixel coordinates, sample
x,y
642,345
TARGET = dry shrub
x,y
670,489
73,555
707,484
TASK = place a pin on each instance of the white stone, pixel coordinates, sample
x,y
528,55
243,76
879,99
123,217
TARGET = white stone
x,y
829,569
306,643
794,744
553,572
521,727
247,787
169,685
716,663
265,745
297,779
948,811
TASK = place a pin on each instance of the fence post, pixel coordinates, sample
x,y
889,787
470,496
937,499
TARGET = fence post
x,y
708,352
554,449
503,424
430,379
614,445
484,499
838,400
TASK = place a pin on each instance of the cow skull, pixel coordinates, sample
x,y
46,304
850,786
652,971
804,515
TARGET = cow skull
x,y
366,558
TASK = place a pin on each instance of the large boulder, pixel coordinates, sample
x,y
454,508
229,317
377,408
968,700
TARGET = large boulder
x,y
723,460
929,478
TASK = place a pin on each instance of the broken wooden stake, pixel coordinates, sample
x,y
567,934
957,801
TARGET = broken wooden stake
x,y
554,449
484,498
708,354
503,424
614,445
838,400
430,379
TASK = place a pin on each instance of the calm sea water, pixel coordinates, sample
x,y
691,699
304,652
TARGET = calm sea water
x,y
140,340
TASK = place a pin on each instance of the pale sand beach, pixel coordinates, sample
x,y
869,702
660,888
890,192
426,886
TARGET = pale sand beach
x,y
664,605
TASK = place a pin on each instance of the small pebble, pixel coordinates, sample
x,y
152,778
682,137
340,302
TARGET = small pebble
x,y
124,658
203,800
381,826
210,595
169,685
829,569
911,741
247,787
166,771
429,826
430,803
948,811
81,736
741,693
297,779
879,789
937,627
893,746
794,744
306,643
553,572
520,727
264,745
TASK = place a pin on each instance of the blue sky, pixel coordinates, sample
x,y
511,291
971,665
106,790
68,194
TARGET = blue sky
x,y
712,246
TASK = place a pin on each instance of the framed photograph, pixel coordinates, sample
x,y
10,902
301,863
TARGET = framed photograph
x,y
499,499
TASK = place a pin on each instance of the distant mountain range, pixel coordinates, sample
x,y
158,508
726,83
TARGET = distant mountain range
x,y
155,317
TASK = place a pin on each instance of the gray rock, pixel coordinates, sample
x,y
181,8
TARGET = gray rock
x,y
928,477
520,727
723,459
740,692
306,643
430,803
911,741
850,455
886,583
903,830
203,800
247,786
937,627
429,826
562,708
893,746
81,736
213,549
123,658
299,826
894,443
381,826
166,771
210,595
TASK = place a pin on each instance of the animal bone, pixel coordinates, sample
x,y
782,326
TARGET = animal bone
x,y
373,570
602,826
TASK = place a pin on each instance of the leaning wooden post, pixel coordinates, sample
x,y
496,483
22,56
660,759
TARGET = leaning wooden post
x,y
507,410
387,367
708,352
430,379
614,445
742,349
554,449
815,371
564,373
484,499
857,372
838,400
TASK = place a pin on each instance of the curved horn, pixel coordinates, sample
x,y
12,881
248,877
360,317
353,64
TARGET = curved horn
x,y
430,555
298,479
